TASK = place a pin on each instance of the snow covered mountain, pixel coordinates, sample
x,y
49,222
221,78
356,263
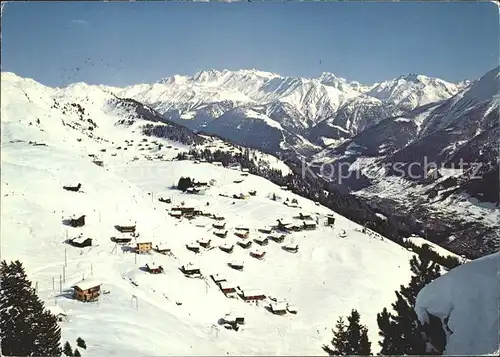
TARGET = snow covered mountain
x,y
465,300
386,164
52,137
307,109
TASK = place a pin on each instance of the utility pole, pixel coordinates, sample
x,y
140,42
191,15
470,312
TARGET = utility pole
x,y
65,257
64,274
53,284
60,284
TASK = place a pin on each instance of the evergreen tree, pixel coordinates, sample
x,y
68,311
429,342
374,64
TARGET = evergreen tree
x,y
67,349
401,331
77,353
80,342
351,339
25,328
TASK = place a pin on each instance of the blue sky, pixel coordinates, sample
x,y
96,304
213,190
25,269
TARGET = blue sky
x,y
121,43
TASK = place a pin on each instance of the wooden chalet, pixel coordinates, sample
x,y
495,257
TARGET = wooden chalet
x,y
295,227
126,229
153,268
87,290
143,247
219,225
342,234
162,248
266,230
278,238
292,248
240,196
283,225
304,217
218,218
252,295
257,254
121,240
252,193
164,200
241,234
194,247
73,188
244,229
77,222
245,170
278,308
245,244
220,233
330,220
204,242
227,248
190,269
237,265
217,278
227,287
81,242
309,225
261,241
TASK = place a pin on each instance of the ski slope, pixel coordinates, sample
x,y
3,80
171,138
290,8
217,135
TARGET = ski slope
x,y
169,314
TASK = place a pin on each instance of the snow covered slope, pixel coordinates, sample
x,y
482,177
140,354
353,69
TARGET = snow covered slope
x,y
43,149
466,301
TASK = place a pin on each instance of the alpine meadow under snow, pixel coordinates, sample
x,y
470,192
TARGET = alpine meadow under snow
x,y
55,137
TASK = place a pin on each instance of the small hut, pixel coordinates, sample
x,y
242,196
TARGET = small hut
x,y
245,244
309,225
278,308
266,230
252,295
143,247
204,242
292,248
218,218
164,200
121,240
257,254
126,229
81,242
278,238
237,265
87,290
153,268
330,220
217,278
219,225
77,222
190,269
244,229
304,217
162,248
227,287
242,234
58,312
220,233
261,241
227,248
194,247
73,188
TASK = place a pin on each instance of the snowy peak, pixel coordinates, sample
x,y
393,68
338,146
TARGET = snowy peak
x,y
413,90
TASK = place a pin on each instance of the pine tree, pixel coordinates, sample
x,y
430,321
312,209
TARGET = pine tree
x,y
25,328
67,349
77,353
80,342
351,339
401,331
